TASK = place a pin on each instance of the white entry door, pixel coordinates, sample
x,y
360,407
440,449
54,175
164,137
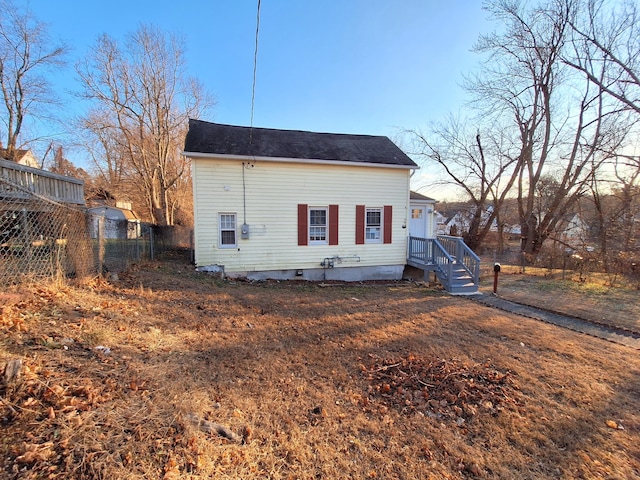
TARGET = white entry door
x,y
418,222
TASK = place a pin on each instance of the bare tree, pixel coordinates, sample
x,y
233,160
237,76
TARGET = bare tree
x,y
27,54
484,174
605,43
144,98
111,169
615,209
561,124
627,194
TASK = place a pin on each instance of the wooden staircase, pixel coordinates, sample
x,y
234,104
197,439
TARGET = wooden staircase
x,y
455,265
460,283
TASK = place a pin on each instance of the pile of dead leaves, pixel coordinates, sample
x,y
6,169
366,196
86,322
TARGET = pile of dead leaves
x,y
449,390
55,406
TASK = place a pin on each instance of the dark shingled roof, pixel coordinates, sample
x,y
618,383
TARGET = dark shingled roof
x,y
214,138
418,196
5,155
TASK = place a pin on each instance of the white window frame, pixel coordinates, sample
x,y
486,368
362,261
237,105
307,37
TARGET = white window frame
x,y
371,230
325,226
225,228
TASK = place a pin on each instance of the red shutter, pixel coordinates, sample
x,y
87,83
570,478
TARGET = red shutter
x,y
388,217
360,213
303,224
333,224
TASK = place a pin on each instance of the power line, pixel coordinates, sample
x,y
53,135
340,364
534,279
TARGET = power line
x,y
253,102
255,66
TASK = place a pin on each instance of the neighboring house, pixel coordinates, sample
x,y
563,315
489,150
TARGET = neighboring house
x,y
441,223
574,231
292,204
23,157
514,231
452,222
118,222
457,222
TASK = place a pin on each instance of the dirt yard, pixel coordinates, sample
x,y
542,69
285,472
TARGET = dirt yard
x,y
166,373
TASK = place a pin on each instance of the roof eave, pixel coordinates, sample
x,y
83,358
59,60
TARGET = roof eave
x,y
252,158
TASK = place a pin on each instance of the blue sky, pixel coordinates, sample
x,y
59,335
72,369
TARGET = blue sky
x,y
346,66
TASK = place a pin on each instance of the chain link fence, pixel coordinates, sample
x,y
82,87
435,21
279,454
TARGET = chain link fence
x,y
118,243
42,238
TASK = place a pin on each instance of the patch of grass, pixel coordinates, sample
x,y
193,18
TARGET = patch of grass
x,y
95,337
593,299
593,288
553,285
586,288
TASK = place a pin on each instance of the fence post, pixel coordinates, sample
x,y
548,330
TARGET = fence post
x,y
192,246
100,235
137,235
151,247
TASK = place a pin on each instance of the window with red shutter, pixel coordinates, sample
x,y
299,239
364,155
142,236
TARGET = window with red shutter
x,y
374,224
318,225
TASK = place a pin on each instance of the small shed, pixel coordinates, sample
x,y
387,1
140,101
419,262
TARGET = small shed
x,y
117,222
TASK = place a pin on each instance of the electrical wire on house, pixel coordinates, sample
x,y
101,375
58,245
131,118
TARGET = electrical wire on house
x,y
253,103
244,193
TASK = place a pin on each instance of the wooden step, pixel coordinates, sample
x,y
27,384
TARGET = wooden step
x,y
460,283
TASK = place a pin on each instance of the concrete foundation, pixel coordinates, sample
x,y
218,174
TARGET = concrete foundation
x,y
342,274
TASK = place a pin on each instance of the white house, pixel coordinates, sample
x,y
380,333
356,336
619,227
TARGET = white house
x,y
292,204
22,157
458,222
574,231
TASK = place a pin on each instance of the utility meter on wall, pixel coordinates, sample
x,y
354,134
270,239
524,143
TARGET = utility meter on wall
x,y
244,231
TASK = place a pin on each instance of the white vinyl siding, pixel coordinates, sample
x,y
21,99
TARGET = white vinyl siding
x,y
272,194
